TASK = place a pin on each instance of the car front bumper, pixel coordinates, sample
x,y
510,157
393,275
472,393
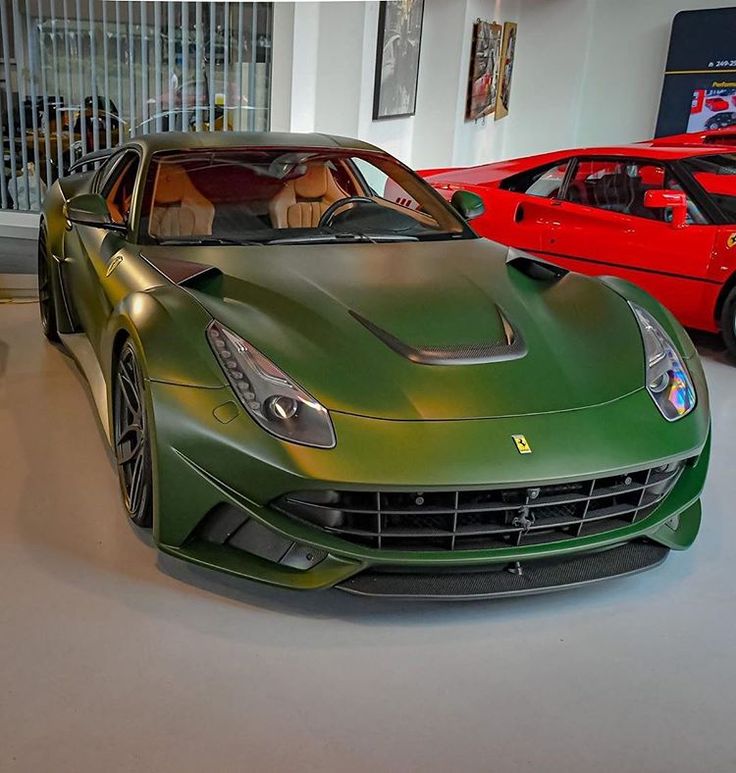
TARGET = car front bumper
x,y
209,452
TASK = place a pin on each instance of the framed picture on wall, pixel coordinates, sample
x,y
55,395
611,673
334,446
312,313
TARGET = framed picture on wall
x,y
484,68
397,58
508,49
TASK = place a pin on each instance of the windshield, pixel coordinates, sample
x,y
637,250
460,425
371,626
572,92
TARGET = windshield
x,y
716,174
261,195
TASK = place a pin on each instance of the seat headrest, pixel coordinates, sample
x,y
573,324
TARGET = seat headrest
x,y
172,185
314,184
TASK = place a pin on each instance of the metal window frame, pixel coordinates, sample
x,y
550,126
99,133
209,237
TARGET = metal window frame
x,y
159,63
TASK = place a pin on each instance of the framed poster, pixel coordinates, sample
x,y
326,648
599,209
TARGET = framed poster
x,y
484,66
699,86
397,58
508,48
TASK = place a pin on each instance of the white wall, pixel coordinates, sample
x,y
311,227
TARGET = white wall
x,y
587,72
629,41
324,69
552,50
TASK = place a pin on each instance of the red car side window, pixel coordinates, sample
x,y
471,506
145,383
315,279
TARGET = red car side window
x,y
620,185
544,181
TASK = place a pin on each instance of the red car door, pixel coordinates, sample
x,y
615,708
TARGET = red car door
x,y
602,227
521,209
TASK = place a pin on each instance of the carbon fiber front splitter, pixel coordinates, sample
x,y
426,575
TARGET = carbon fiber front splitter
x,y
517,579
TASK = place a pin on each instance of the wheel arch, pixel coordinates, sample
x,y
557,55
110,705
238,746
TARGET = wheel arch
x,y
52,216
150,320
145,513
119,339
729,284
155,319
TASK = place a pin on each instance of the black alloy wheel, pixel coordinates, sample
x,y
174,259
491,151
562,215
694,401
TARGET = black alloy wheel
x,y
131,437
45,289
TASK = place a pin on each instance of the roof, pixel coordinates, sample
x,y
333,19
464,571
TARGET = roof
x,y
652,149
706,137
647,149
152,143
484,174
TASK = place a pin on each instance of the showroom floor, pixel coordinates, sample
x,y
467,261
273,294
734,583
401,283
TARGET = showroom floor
x,y
113,658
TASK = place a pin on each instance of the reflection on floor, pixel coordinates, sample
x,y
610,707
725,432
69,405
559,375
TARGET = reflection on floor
x,y
113,658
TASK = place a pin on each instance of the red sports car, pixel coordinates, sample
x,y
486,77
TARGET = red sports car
x,y
716,103
661,217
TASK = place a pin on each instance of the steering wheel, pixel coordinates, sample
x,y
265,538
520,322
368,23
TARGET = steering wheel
x,y
331,211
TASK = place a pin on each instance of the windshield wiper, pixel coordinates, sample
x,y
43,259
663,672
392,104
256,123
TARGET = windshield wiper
x,y
387,238
208,240
341,238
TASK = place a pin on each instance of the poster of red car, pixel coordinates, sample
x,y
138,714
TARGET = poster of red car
x,y
712,109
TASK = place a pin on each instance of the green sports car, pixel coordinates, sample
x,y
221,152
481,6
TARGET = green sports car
x,y
314,374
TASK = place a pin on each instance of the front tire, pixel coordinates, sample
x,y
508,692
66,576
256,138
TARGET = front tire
x,y
131,437
46,300
728,322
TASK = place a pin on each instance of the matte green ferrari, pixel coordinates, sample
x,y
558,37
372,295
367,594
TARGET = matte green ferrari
x,y
314,374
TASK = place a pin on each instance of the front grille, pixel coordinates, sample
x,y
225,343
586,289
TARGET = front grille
x,y
485,519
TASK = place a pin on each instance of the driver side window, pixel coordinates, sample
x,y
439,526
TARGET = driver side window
x,y
381,185
118,191
620,185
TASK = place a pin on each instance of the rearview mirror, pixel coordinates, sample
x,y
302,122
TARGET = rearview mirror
x,y
91,209
674,200
469,205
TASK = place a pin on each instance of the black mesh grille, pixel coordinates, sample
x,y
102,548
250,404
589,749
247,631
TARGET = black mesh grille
x,y
485,519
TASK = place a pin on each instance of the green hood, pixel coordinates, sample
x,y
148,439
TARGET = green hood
x,y
328,315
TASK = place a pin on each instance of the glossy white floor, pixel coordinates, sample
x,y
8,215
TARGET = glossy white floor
x,y
113,658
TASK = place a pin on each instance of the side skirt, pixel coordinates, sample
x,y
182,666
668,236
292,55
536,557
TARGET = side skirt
x,y
81,350
64,316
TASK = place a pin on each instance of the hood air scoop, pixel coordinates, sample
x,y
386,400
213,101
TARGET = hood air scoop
x,y
510,347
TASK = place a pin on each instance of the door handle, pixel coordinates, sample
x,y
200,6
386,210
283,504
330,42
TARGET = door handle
x,y
556,203
519,213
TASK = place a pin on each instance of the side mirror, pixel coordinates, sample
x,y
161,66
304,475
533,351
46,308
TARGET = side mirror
x,y
91,209
469,205
674,200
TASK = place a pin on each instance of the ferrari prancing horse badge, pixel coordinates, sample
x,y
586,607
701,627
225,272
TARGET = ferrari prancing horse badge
x,y
521,444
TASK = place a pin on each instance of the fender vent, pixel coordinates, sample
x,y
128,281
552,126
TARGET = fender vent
x,y
535,268
185,273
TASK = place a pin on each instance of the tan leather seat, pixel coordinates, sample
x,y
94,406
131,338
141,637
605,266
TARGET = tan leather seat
x,y
179,209
302,202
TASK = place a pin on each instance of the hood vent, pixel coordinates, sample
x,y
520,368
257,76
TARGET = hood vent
x,y
510,347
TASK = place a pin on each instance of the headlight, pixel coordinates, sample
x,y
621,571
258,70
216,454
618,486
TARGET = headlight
x,y
270,397
668,381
